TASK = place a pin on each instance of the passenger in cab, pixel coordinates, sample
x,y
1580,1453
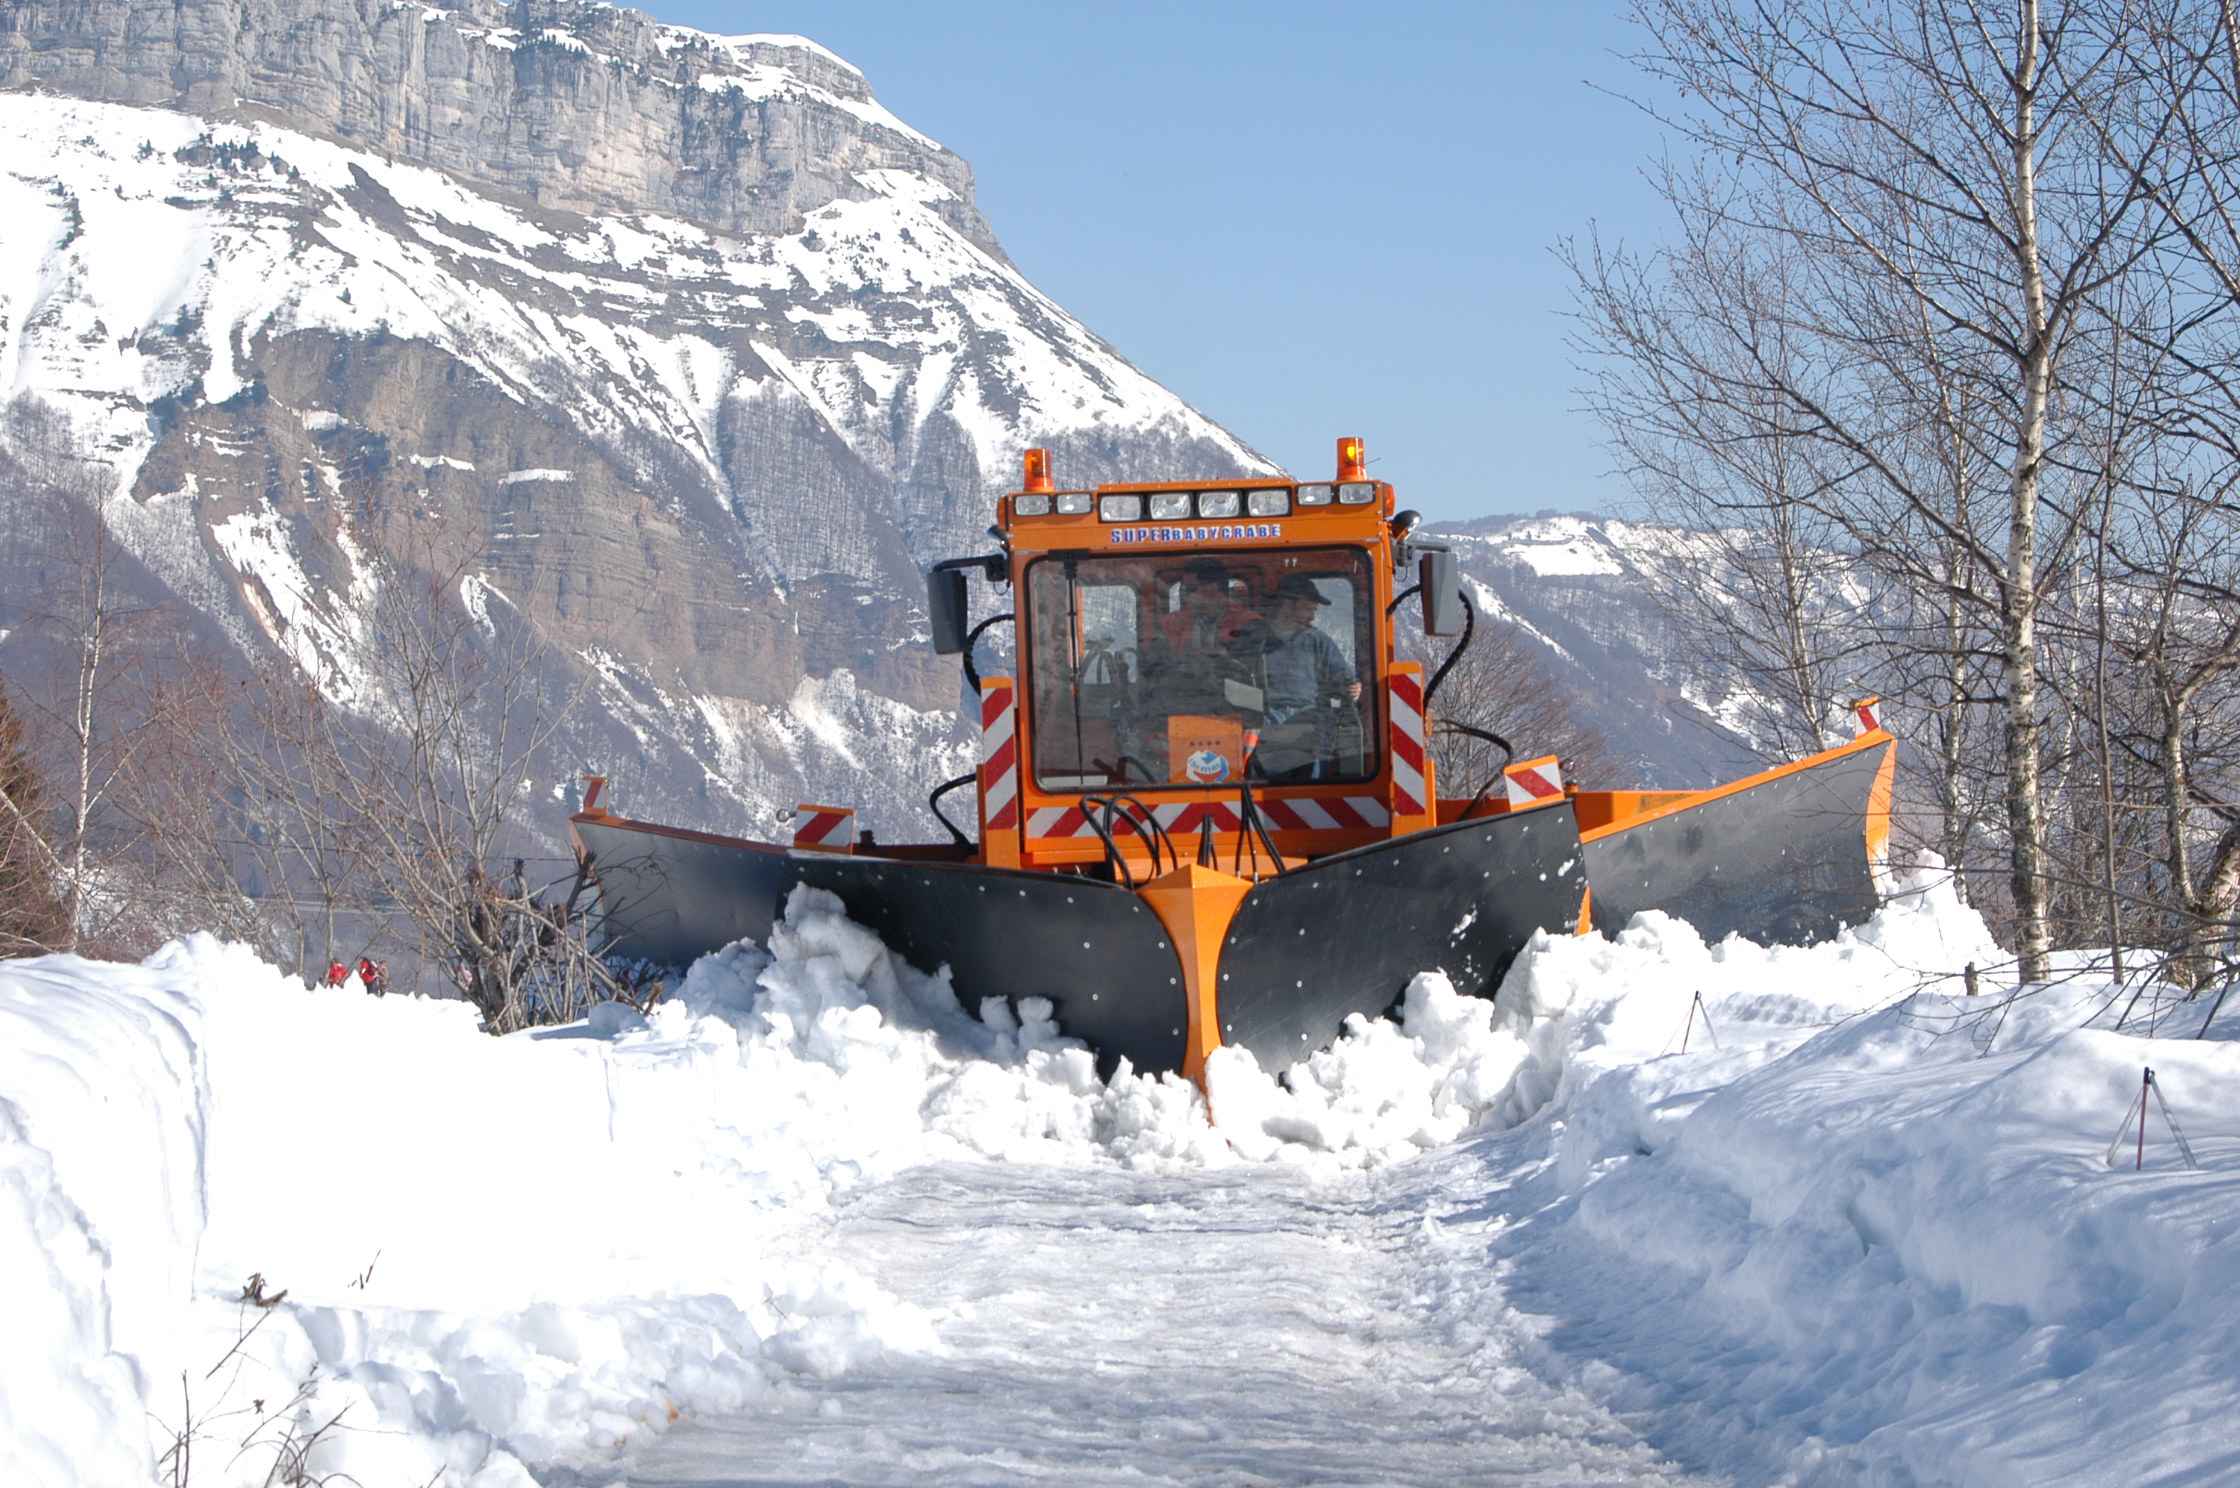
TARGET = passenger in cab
x,y
1209,617
1193,667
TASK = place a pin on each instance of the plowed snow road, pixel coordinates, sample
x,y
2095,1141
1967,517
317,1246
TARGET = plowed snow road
x,y
1246,1326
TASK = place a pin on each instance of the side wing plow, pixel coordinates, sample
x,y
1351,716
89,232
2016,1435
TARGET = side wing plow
x,y
1787,856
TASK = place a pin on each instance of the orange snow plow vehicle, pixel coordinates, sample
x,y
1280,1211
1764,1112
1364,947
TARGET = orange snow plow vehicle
x,y
1206,813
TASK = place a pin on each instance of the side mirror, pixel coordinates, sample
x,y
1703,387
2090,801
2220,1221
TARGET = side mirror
x,y
1442,593
945,606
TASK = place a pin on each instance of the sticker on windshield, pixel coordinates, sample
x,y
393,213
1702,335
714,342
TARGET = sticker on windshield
x,y
1207,767
1201,532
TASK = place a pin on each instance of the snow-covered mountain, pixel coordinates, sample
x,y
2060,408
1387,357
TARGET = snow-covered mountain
x,y
1579,589
687,350
680,351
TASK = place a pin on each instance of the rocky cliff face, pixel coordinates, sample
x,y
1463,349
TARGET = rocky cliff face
x,y
582,107
679,349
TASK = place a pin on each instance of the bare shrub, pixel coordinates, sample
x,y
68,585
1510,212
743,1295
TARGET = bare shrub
x,y
1498,686
33,917
384,792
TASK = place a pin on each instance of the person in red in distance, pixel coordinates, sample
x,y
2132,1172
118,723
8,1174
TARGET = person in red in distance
x,y
372,974
337,974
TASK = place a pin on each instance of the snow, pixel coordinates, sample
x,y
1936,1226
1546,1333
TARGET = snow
x,y
322,630
1660,1212
1562,547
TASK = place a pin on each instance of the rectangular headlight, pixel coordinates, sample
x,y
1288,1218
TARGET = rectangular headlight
x,y
1217,503
1317,495
1358,493
1030,506
1168,506
1268,503
1120,508
1074,503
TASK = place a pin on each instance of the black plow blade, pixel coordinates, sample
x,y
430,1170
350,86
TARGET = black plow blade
x,y
1347,933
1094,949
1783,858
671,896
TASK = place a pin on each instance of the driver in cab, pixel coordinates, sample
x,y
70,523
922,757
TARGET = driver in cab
x,y
1304,677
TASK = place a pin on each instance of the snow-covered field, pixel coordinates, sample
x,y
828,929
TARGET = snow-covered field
x,y
818,1220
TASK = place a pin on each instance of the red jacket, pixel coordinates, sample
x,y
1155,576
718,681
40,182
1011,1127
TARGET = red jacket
x,y
1177,625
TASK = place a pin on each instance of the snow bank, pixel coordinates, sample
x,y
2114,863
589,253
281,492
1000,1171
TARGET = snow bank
x,y
501,1253
1571,1009
518,1253
1811,1217
1872,1237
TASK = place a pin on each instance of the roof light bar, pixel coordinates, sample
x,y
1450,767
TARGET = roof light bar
x,y
1038,472
1353,460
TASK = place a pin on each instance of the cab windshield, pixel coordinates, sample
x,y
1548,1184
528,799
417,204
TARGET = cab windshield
x,y
1171,670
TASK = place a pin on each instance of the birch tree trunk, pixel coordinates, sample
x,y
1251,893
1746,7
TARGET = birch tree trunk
x,y
2025,816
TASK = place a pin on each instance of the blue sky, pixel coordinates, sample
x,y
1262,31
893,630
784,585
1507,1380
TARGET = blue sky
x,y
1308,219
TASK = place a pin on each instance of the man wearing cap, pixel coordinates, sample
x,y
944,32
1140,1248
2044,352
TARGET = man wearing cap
x,y
1301,671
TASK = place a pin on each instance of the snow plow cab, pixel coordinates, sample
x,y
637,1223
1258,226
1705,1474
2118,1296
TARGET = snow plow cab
x,y
1205,813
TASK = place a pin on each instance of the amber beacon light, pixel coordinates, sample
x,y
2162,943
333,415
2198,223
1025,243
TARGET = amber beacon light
x,y
1353,460
1038,471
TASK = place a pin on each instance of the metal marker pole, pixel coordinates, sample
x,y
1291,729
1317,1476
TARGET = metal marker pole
x,y
2185,1148
2146,1083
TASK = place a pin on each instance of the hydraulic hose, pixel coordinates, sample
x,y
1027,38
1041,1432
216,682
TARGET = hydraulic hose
x,y
971,672
1137,816
1091,810
1469,631
933,804
1508,757
1250,822
1105,814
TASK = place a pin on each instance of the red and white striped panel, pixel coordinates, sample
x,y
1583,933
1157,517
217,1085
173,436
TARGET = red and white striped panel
x,y
1296,814
1407,742
825,828
1869,716
1534,781
999,755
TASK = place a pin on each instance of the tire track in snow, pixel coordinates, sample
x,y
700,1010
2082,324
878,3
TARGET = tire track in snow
x,y
1239,1327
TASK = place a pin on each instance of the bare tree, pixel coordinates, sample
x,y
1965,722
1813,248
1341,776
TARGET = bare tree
x,y
1922,209
117,702
1766,589
1499,687
33,918
385,792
